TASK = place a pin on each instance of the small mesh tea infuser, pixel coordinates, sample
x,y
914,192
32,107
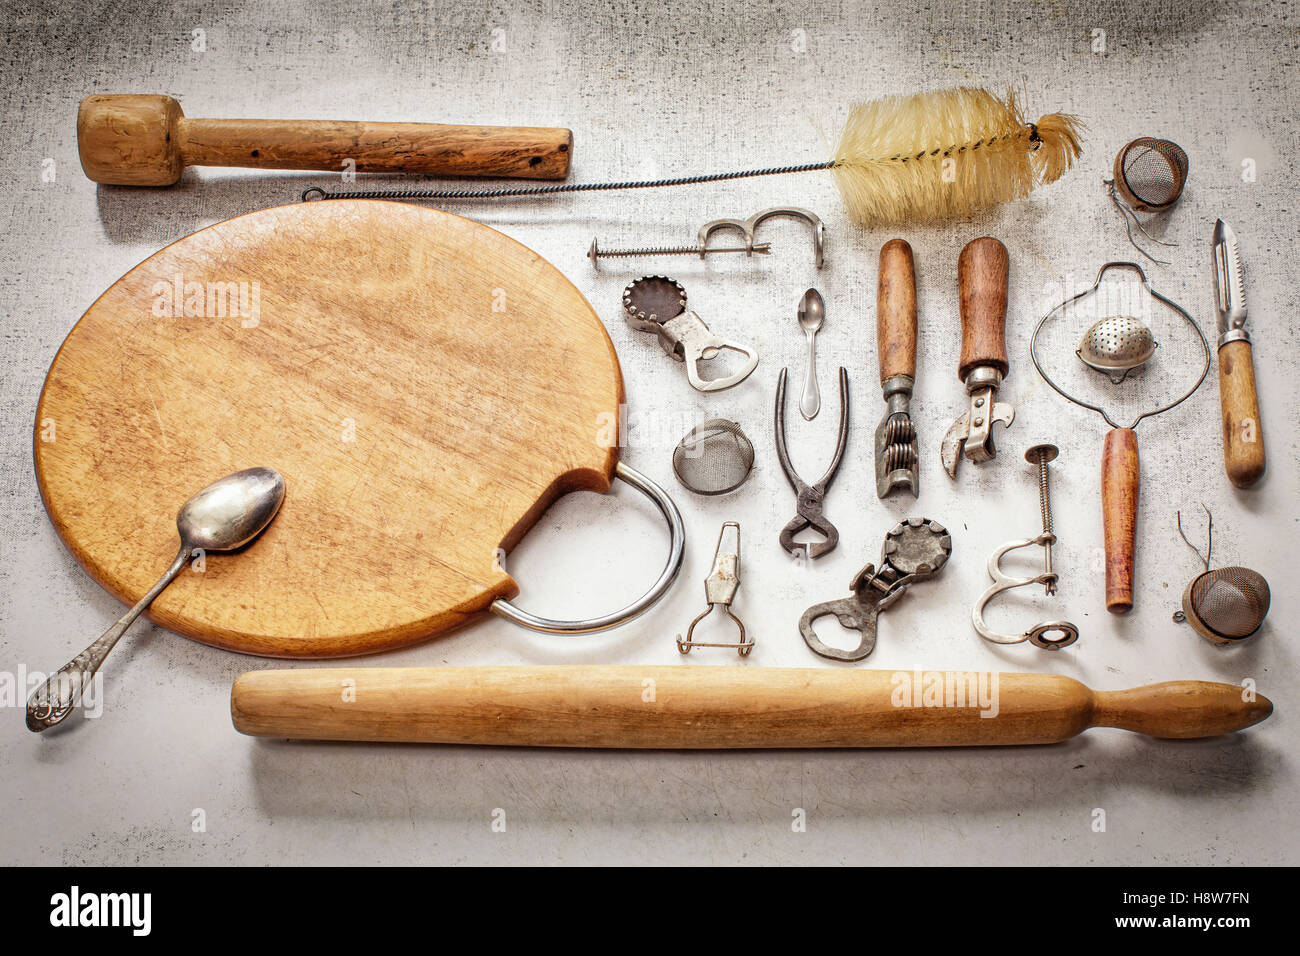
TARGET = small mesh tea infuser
x,y
1117,346
1226,605
1149,177
714,458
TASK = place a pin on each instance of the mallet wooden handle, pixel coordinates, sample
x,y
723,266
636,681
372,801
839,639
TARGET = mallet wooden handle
x,y
1243,439
1119,502
982,272
896,311
146,140
685,707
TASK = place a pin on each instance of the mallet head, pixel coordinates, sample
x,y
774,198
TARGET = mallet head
x,y
130,139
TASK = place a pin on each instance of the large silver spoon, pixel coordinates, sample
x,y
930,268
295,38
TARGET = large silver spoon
x,y
811,313
223,516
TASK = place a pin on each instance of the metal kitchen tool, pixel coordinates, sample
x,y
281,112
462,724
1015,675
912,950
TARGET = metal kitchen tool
x,y
896,455
713,458
1243,438
720,589
812,313
1119,467
1116,346
658,304
701,246
914,549
749,228
1051,635
1226,605
810,498
342,341
1149,175
596,253
982,271
225,515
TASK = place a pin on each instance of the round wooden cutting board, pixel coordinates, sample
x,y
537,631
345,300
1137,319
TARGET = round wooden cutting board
x,y
426,385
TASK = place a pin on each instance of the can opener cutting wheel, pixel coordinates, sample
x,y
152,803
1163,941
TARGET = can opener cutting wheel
x,y
914,549
658,304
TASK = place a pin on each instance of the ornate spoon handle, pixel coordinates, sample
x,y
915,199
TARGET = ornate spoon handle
x,y
53,701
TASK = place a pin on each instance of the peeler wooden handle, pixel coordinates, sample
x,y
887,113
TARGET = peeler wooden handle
x,y
146,140
982,271
1119,502
1243,438
718,707
896,311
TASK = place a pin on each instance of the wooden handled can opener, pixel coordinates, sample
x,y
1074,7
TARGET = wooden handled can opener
x,y
982,280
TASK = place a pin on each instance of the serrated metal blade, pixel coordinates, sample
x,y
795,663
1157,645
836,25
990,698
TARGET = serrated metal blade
x,y
1229,282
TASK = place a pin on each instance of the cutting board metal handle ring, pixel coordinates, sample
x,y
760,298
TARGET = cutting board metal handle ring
x,y
677,549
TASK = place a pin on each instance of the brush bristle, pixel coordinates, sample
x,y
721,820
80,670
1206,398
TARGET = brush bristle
x,y
946,154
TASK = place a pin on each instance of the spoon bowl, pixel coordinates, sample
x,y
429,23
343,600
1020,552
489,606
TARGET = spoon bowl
x,y
229,513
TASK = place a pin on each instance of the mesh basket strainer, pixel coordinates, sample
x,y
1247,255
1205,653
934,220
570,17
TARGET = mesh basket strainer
x,y
1150,173
1227,604
715,457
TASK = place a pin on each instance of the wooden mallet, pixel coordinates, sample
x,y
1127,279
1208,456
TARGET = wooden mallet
x,y
146,140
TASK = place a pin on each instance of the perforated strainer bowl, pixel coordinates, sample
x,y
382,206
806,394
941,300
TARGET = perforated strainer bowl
x,y
714,458
1116,345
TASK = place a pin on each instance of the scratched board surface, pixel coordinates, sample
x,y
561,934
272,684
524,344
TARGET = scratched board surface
x,y
663,90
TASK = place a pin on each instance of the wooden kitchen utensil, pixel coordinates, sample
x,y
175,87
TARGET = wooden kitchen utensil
x,y
141,139
719,707
426,385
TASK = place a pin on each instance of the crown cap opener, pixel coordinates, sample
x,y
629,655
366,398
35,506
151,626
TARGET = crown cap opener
x,y
658,304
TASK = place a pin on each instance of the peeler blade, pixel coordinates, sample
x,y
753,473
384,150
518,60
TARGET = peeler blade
x,y
1229,286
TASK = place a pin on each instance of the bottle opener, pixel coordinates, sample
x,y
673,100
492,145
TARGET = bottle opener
x,y
914,549
658,304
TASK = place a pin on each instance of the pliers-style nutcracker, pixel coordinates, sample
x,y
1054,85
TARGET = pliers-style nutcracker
x,y
810,497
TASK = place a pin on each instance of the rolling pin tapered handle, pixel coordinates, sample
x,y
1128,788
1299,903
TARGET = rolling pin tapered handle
x,y
896,311
679,707
1243,439
1119,502
1180,708
146,140
982,274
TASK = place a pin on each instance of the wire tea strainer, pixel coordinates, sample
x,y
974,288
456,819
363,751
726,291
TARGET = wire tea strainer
x,y
1120,466
1117,345
714,458
1225,605
1149,176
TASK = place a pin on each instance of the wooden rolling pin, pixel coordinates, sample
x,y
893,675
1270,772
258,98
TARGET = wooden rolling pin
x,y
683,707
146,140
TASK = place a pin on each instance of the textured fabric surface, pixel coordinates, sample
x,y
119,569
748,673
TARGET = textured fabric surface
x,y
660,90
